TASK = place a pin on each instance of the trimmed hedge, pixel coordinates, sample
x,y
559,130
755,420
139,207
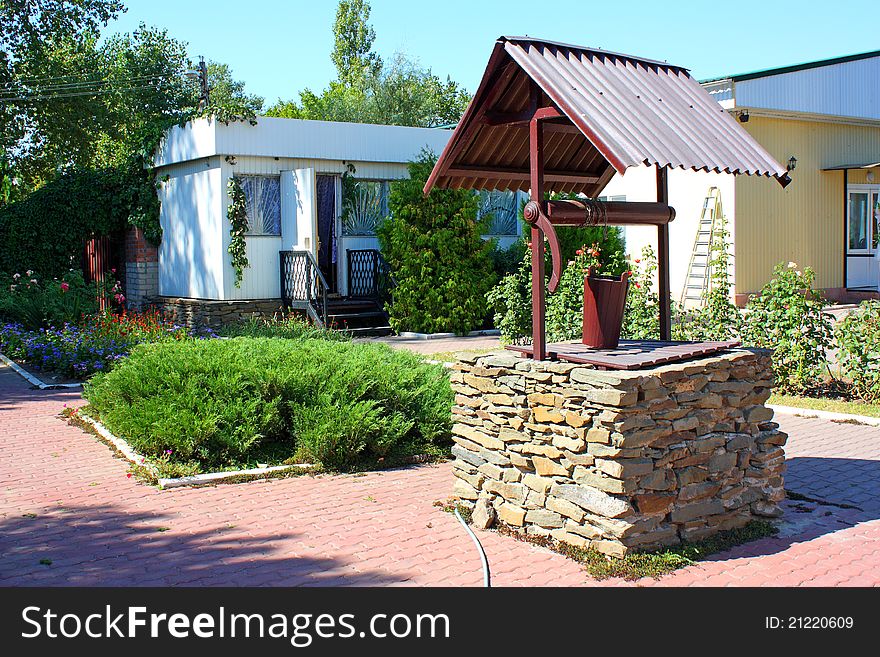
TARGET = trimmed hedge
x,y
222,403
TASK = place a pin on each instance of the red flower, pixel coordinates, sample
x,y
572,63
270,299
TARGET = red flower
x,y
530,245
65,287
637,260
579,252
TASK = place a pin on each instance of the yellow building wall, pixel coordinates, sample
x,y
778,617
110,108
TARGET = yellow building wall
x,y
803,223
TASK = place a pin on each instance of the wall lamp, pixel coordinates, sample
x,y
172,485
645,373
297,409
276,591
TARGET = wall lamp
x,y
743,116
230,159
792,163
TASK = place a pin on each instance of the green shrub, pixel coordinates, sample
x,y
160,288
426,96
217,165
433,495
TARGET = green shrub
x,y
718,318
33,301
858,342
510,300
47,230
290,327
225,403
440,263
788,316
641,317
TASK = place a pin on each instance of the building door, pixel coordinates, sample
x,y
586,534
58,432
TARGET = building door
x,y
863,235
325,194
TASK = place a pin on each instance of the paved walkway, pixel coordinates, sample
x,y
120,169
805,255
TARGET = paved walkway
x,y
66,501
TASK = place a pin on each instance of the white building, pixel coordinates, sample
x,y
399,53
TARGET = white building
x,y
312,187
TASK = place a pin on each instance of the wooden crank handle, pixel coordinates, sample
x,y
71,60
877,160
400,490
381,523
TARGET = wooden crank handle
x,y
533,216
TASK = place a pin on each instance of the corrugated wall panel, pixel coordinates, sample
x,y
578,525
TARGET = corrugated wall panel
x,y
804,222
848,89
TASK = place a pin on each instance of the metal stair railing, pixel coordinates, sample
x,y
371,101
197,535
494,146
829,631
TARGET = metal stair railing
x,y
369,276
303,286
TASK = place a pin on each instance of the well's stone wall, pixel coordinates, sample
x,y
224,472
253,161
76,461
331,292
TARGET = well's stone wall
x,y
618,460
201,313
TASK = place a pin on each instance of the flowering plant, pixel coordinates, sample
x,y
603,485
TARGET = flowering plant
x,y
590,261
94,346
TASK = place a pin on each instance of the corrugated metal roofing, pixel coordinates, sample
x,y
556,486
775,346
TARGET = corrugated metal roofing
x,y
627,111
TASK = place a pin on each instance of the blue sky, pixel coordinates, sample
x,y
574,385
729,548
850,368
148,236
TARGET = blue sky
x,y
279,47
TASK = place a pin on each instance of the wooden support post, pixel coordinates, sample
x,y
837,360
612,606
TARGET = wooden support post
x,y
536,180
539,342
663,258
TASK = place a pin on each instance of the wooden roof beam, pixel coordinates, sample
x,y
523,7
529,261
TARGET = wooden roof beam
x,y
466,171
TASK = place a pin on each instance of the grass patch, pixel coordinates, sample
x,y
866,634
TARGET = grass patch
x,y
199,406
833,405
654,563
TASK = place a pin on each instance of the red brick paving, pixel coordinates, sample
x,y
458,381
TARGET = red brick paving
x,y
65,498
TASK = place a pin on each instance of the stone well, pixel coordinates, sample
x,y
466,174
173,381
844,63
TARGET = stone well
x,y
618,460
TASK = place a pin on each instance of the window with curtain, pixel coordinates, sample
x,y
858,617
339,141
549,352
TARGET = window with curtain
x,y
500,208
263,196
364,206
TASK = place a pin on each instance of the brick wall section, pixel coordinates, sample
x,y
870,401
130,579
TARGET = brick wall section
x,y
200,313
618,460
141,269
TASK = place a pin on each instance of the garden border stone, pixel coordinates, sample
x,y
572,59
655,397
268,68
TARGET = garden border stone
x,y
825,415
166,483
441,336
33,380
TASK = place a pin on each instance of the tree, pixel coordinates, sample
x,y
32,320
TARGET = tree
x,y
32,32
366,91
100,110
229,95
439,261
353,43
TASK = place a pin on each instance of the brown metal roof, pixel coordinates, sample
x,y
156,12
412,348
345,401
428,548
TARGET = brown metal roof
x,y
620,111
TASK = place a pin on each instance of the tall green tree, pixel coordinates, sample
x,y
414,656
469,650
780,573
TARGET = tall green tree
x,y
367,91
353,43
32,32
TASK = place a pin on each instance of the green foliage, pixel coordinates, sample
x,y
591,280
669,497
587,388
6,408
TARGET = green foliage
x,y
28,299
32,36
788,316
85,106
511,299
47,230
238,222
858,342
366,91
94,344
641,317
440,263
290,327
353,38
718,318
230,402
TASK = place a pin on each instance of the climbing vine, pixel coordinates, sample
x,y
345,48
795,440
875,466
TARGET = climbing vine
x,y
237,215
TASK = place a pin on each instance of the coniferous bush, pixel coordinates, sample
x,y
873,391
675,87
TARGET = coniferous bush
x,y
216,404
441,266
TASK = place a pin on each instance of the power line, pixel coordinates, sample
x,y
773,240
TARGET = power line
x,y
87,83
81,86
78,94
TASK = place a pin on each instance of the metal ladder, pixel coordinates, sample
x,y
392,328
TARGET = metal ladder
x,y
696,283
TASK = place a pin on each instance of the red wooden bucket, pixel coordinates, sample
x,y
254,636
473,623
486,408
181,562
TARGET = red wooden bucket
x,y
604,303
